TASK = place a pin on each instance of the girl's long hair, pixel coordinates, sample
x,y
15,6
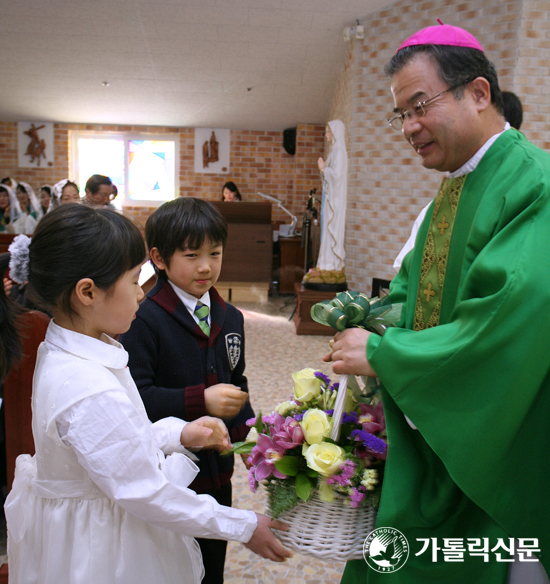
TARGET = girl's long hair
x,y
10,341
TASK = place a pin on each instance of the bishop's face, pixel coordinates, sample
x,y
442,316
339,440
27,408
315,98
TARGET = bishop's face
x,y
447,135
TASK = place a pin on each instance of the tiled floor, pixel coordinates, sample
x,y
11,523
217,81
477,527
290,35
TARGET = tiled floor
x,y
273,353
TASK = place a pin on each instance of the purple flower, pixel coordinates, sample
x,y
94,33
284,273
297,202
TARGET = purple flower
x,y
329,412
334,386
269,419
372,443
344,475
299,417
263,457
356,497
349,418
324,378
251,422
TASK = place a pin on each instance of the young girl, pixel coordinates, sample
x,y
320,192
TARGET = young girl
x,y
99,502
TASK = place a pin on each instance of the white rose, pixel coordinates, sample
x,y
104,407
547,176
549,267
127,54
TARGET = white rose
x,y
306,385
316,426
325,458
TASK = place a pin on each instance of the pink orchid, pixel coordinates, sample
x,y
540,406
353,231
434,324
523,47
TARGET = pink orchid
x,y
289,433
263,457
372,418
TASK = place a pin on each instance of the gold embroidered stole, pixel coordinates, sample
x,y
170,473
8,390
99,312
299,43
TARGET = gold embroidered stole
x,y
436,251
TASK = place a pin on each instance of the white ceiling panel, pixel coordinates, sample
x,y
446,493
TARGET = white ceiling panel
x,y
174,62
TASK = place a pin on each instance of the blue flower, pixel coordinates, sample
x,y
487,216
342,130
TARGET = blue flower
x,y
329,412
298,417
349,418
334,386
324,378
370,442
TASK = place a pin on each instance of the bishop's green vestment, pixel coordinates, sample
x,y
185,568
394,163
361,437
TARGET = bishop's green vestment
x,y
470,368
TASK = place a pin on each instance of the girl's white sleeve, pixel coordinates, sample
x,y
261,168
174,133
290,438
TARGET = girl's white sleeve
x,y
115,445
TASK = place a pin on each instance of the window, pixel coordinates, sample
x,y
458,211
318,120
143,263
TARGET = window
x,y
142,166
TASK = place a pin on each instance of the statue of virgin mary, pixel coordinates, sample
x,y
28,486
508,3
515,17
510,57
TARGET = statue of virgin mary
x,y
332,254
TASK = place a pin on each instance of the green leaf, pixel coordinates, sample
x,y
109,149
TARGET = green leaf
x,y
288,465
327,439
242,448
311,473
259,425
281,496
304,487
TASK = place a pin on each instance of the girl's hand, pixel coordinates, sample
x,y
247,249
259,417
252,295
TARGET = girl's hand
x,y
205,432
7,286
224,400
264,543
321,164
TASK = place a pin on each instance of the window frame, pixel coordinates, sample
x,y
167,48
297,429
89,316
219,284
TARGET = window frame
x,y
126,137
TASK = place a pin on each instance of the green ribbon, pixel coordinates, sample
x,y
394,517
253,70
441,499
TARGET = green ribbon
x,y
354,309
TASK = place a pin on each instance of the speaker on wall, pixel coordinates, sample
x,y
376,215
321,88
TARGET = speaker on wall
x,y
289,140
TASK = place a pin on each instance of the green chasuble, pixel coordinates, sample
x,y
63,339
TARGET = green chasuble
x,y
475,379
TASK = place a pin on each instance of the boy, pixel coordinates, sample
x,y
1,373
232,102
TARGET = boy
x,y
186,344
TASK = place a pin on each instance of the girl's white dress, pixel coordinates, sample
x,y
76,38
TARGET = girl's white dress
x,y
99,502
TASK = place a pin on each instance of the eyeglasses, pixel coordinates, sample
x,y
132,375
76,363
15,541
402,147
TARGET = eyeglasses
x,y
418,110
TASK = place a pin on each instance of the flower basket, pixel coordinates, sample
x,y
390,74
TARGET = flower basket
x,y
320,457
333,532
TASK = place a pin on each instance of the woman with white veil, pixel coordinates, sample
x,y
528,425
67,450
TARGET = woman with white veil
x,y
10,212
30,209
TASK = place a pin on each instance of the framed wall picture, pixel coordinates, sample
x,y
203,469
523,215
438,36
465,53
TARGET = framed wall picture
x,y
212,150
35,146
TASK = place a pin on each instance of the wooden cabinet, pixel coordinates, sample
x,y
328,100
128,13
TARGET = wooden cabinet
x,y
302,317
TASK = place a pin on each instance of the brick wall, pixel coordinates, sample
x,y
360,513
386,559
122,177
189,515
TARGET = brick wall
x,y
258,163
387,186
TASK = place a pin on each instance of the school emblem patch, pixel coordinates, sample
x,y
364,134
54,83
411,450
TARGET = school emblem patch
x,y
233,345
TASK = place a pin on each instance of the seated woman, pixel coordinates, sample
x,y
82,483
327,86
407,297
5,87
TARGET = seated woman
x,y
28,200
65,191
9,208
30,209
45,198
230,192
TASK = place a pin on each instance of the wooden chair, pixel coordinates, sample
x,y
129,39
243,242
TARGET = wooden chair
x,y
5,241
18,391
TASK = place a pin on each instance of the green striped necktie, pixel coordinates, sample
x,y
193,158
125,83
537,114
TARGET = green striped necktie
x,y
202,311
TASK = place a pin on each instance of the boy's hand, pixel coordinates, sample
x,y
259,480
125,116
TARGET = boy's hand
x,y
264,543
205,432
224,400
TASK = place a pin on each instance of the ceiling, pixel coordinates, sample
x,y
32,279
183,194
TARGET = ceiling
x,y
247,64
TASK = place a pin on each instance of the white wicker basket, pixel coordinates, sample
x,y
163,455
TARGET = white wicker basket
x,y
333,532
336,531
